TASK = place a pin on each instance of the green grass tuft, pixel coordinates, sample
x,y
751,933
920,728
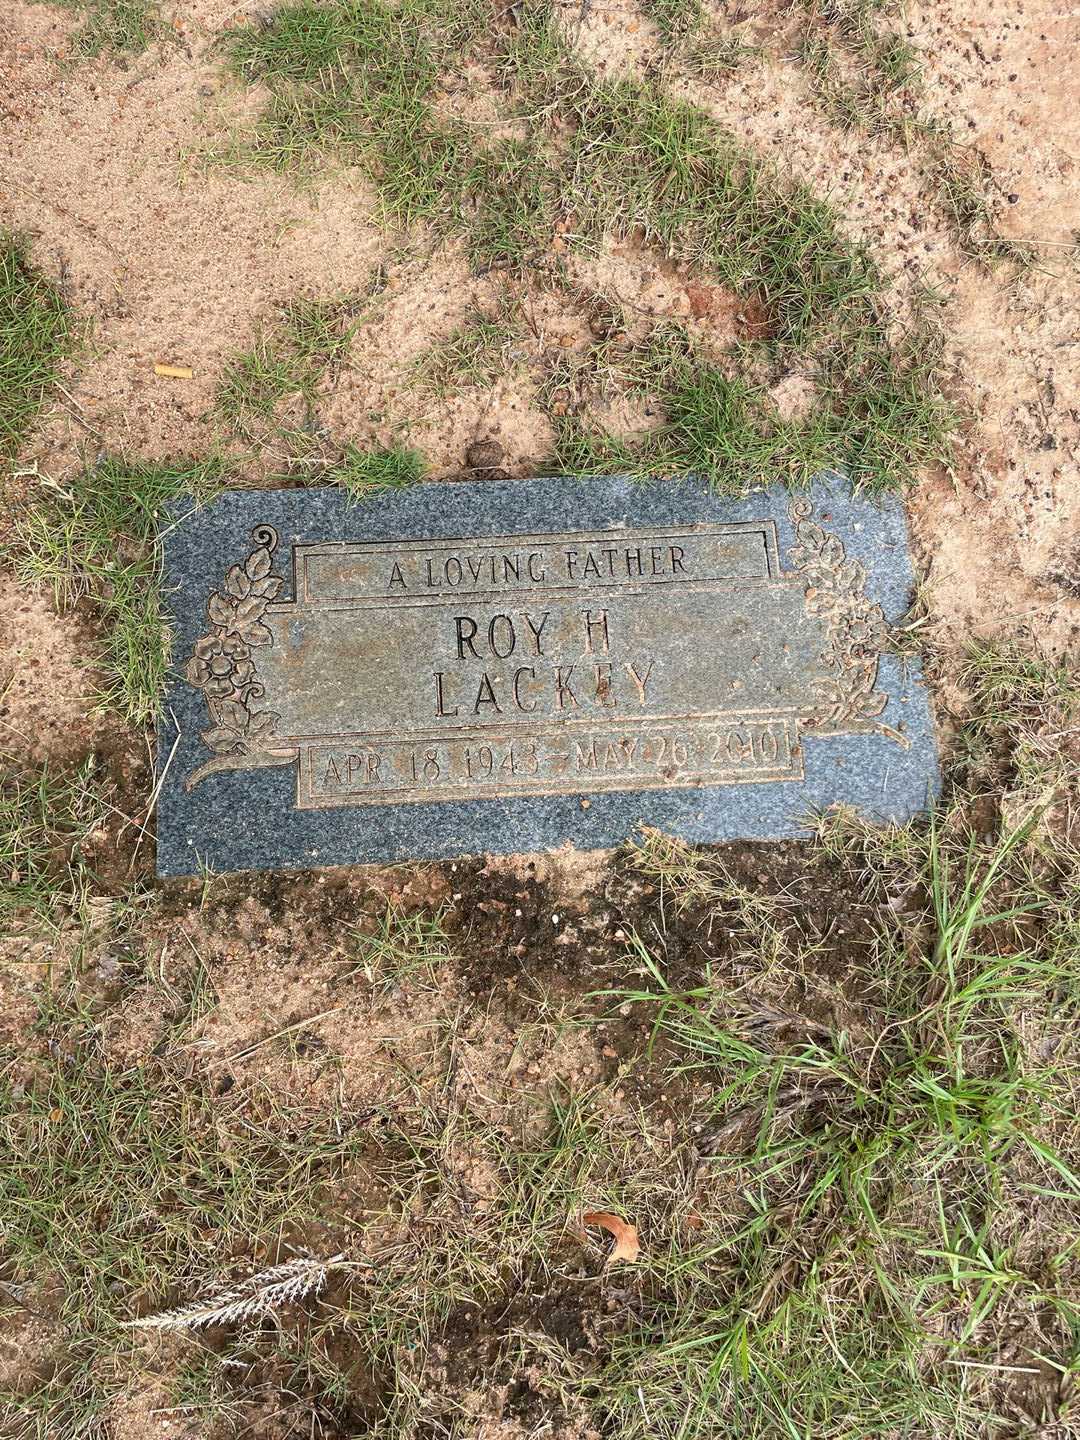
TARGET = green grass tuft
x,y
287,359
477,353
373,472
880,413
646,163
404,945
714,54
35,336
117,25
675,19
45,815
98,540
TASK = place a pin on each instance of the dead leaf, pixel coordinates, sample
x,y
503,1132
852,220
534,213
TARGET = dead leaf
x,y
626,1236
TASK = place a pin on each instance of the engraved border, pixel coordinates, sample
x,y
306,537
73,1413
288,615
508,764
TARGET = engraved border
x,y
305,602
539,786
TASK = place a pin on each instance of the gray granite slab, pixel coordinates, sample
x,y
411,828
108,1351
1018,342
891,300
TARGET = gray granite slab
x,y
512,665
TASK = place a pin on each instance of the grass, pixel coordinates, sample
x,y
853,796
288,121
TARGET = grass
x,y
1022,707
36,334
363,473
867,78
404,944
961,182
358,82
880,414
676,20
46,815
713,54
98,541
287,361
124,1188
120,26
644,162
477,353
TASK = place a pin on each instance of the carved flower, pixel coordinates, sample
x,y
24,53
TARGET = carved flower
x,y
219,665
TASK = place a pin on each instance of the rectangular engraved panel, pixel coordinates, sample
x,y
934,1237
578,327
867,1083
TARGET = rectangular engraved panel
x,y
537,664
704,750
688,555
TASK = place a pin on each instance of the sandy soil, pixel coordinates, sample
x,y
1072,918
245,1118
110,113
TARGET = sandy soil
x,y
171,259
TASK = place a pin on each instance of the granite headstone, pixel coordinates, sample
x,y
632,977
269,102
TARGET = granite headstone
x,y
512,665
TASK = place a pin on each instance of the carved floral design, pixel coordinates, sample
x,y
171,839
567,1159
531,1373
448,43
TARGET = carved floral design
x,y
222,666
856,631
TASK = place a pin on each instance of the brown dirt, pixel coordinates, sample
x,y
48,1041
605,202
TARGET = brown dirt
x,y
102,165
173,259
46,678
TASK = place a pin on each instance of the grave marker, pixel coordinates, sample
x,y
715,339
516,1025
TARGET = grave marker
x,y
511,665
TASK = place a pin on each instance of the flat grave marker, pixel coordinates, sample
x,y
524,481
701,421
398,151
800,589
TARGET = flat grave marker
x,y
499,666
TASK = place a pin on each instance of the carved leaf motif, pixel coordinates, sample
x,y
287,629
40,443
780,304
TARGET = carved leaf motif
x,y
233,714
850,576
222,739
262,724
221,664
268,587
220,610
249,609
237,582
258,564
255,633
855,626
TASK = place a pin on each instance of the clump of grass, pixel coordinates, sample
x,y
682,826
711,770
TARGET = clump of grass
x,y
36,333
508,197
354,80
46,815
124,1189
675,19
880,413
885,57
960,180
404,944
1022,705
646,163
478,352
288,359
897,62
119,25
579,449
363,473
98,540
714,54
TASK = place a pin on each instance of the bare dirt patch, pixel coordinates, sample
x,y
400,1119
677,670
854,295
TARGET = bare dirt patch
x,y
260,992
